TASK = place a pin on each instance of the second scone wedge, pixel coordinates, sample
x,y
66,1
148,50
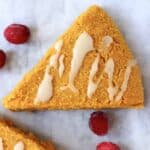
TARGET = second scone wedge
x,y
12,138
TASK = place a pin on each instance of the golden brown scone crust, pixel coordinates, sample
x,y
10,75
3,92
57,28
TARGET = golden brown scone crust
x,y
97,24
11,135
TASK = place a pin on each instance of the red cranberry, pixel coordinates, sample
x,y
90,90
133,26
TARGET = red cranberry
x,y
17,33
107,146
98,123
2,58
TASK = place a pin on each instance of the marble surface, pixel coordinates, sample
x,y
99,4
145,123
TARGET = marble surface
x,y
49,18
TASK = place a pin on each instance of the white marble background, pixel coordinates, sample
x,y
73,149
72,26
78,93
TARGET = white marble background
x,y
49,18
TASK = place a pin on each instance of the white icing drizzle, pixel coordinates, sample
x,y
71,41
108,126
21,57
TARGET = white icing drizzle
x,y
109,69
58,45
92,86
19,146
54,58
107,40
45,90
124,85
83,45
61,65
1,144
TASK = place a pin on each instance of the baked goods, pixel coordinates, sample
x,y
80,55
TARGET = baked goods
x,y
12,138
89,66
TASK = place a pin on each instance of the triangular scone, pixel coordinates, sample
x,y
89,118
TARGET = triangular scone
x,y
12,138
89,66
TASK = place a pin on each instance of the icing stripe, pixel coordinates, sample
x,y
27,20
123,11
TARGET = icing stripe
x,y
54,58
45,90
124,85
91,85
83,45
19,146
61,65
109,69
1,144
58,45
107,40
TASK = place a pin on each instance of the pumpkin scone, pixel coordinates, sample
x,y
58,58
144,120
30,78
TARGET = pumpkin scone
x,y
12,138
89,66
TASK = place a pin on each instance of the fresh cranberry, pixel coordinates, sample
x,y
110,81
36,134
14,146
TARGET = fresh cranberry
x,y
2,58
98,123
107,146
17,33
